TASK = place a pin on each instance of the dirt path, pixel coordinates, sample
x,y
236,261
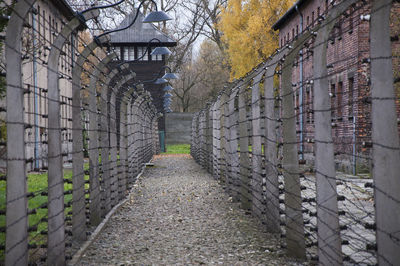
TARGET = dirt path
x,y
179,215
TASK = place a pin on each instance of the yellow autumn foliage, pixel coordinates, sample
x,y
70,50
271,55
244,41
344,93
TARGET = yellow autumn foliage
x,y
247,32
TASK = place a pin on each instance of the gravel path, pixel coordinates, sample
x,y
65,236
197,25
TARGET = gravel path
x,y
178,214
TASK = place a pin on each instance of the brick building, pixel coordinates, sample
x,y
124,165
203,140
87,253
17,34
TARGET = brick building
x,y
348,71
43,23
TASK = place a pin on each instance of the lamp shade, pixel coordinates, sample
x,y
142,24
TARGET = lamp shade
x,y
170,76
156,16
161,51
161,81
168,88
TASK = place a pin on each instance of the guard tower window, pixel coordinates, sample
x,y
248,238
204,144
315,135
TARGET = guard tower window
x,y
117,50
125,54
131,53
142,52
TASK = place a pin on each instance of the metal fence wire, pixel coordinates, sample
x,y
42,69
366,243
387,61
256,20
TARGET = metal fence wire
x,y
317,162
87,132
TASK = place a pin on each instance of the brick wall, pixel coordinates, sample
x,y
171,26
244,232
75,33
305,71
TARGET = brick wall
x,y
348,50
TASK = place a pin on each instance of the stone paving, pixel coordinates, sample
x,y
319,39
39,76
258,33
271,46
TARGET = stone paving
x,y
177,214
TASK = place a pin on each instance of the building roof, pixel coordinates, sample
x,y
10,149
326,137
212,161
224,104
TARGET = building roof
x,y
139,32
288,14
64,8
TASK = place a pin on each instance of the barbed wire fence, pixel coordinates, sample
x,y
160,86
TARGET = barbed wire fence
x,y
295,179
45,216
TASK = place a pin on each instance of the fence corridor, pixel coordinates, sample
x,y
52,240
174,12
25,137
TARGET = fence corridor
x,y
285,158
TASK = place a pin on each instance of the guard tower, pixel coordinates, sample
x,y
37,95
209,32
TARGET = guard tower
x,y
131,44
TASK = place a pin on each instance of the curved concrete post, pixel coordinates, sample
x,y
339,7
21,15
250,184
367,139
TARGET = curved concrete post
x,y
226,142
104,144
145,124
385,137
203,128
329,242
16,252
130,137
209,138
202,138
78,181
94,177
146,129
133,150
123,146
223,141
216,139
140,132
290,163
113,140
56,230
137,125
154,126
234,182
256,183
270,147
156,139
125,120
194,137
152,113
244,160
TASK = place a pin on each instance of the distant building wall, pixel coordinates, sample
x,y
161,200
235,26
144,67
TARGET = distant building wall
x,y
178,127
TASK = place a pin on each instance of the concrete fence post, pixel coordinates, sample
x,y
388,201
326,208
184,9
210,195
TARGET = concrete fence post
x,y
16,252
295,238
329,241
135,136
270,147
244,161
93,133
56,228
78,180
208,137
123,143
193,137
113,149
113,140
385,137
130,132
139,133
194,148
131,139
215,139
227,148
201,137
104,144
222,135
257,160
135,139
234,183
